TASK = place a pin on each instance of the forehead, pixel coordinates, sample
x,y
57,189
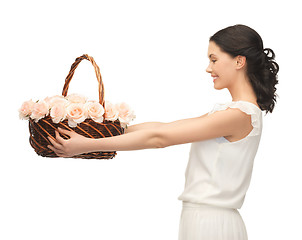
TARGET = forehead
x,y
213,49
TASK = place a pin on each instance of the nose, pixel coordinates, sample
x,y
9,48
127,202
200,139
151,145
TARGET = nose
x,y
209,69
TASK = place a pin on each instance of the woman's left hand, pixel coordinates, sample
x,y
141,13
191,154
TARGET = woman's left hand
x,y
75,145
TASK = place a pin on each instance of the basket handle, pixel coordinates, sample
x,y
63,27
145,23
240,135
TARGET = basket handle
x,y
97,73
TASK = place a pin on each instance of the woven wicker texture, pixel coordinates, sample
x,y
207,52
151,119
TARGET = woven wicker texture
x,y
39,131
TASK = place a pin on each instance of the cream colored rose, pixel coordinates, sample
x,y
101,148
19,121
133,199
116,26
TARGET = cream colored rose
x,y
58,112
40,110
56,100
111,113
76,114
26,109
95,111
125,114
76,98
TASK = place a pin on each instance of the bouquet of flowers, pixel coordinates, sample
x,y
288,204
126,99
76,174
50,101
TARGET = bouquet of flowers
x,y
76,109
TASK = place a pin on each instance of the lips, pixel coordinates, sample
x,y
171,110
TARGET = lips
x,y
214,77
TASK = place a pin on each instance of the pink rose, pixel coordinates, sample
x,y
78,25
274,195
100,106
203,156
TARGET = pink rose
x,y
55,100
40,110
26,109
95,111
111,113
76,98
58,112
125,114
75,114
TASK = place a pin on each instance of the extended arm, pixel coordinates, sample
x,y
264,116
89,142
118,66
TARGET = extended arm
x,y
141,126
222,123
149,125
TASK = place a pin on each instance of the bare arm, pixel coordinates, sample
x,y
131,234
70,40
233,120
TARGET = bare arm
x,y
144,125
221,123
148,125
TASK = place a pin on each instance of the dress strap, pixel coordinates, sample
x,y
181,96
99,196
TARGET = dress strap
x,y
246,107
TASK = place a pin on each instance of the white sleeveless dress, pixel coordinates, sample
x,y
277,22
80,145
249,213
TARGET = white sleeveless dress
x,y
217,178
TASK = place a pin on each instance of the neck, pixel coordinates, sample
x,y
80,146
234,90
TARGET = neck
x,y
242,90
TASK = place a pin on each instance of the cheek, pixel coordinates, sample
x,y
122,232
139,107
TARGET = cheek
x,y
226,76
225,70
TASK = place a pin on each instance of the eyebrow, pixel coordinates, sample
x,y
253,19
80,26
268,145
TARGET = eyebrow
x,y
212,55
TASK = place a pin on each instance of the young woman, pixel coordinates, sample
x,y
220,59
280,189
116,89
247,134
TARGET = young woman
x,y
224,141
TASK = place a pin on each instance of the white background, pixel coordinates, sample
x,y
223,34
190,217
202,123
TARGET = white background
x,y
152,55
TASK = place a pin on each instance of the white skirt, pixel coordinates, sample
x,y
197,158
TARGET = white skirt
x,y
207,222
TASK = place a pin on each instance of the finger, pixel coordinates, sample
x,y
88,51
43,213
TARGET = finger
x,y
55,143
56,151
53,148
64,131
59,138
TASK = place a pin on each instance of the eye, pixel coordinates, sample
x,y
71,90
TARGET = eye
x,y
214,61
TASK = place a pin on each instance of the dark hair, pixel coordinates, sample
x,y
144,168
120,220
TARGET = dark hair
x,y
261,68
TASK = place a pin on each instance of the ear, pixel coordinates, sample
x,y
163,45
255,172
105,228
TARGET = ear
x,y
240,62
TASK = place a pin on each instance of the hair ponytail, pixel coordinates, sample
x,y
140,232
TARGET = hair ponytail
x,y
262,68
267,76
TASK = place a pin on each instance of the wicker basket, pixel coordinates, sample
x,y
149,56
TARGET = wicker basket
x,y
39,131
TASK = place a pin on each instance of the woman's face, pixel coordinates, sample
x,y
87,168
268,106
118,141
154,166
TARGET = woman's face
x,y
222,67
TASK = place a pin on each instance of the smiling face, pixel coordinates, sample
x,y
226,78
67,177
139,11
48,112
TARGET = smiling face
x,y
222,67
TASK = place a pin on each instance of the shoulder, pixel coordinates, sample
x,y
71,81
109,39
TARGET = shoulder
x,y
230,114
234,119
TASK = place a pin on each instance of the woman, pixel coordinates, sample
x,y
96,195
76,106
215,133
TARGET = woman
x,y
224,141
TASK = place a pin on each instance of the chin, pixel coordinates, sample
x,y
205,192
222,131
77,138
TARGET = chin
x,y
218,87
